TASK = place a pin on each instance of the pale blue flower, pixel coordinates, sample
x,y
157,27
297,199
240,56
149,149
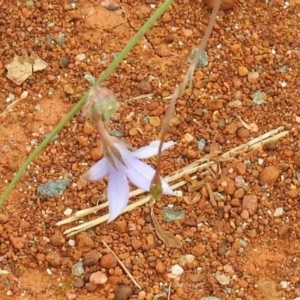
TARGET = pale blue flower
x,y
122,165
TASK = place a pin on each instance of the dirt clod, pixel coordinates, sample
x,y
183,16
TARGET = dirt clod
x,y
57,239
250,203
269,174
18,242
54,259
123,292
198,250
78,283
84,242
108,261
91,258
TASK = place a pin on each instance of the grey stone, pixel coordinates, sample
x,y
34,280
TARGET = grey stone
x,y
257,98
170,215
77,269
52,188
203,60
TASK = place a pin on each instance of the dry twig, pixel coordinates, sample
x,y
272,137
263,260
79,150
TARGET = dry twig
x,y
167,237
122,265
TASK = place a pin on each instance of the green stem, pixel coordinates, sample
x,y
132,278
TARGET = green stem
x,y
81,102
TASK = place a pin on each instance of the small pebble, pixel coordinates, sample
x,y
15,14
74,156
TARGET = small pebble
x,y
88,129
84,242
201,144
215,105
91,287
278,212
52,188
155,121
78,283
133,131
243,71
252,233
68,212
198,250
235,48
188,137
91,258
283,229
123,292
240,168
176,270
54,259
18,242
57,239
250,203
269,174
96,154
292,193
271,146
229,187
77,269
98,278
121,226
64,62
71,243
80,57
222,279
243,133
203,60
188,258
253,76
136,244
145,87
160,267
169,38
170,215
258,98
108,261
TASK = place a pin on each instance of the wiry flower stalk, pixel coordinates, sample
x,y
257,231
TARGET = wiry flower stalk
x,y
118,162
179,90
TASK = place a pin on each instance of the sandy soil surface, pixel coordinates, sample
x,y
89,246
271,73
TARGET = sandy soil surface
x,y
244,243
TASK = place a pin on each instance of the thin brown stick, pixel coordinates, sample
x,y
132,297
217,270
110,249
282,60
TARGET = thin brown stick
x,y
180,89
123,266
169,291
211,194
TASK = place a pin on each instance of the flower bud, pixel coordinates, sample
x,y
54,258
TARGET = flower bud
x,y
101,104
156,189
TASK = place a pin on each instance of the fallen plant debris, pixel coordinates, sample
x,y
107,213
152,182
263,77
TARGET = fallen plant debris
x,y
201,164
165,236
22,67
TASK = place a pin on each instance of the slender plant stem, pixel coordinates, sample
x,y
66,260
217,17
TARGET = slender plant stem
x,y
179,90
82,101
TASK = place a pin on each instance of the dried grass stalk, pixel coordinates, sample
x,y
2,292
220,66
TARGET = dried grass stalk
x,y
201,164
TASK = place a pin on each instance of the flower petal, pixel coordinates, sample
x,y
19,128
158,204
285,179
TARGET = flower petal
x,y
152,149
166,188
97,171
117,193
139,173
